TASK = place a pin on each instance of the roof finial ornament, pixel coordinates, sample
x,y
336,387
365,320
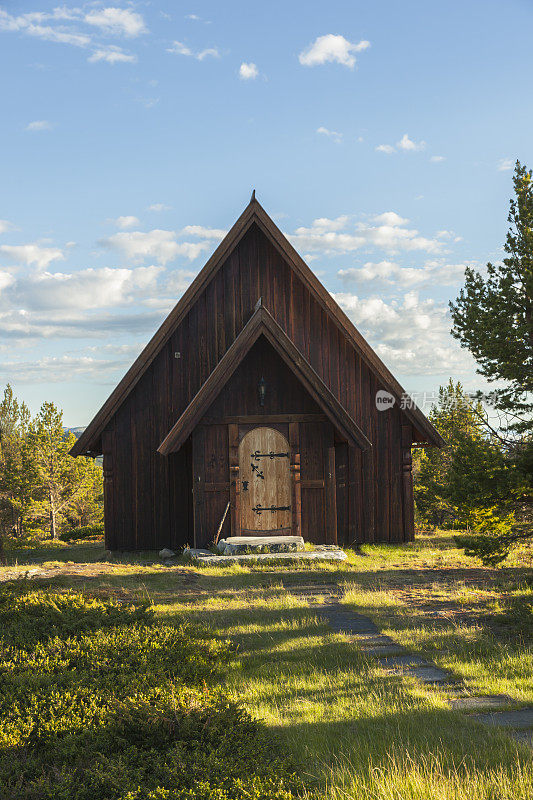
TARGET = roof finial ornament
x,y
252,198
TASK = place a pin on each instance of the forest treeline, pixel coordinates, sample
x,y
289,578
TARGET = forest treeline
x,y
44,492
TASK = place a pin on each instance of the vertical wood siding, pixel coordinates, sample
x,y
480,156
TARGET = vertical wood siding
x,y
151,503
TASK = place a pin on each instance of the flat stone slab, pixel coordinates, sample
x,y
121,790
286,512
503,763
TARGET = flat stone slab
x,y
351,628
383,651
489,702
307,555
429,674
519,719
262,539
246,545
404,660
349,621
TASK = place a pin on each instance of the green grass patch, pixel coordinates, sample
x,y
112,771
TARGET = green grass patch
x,y
103,701
353,730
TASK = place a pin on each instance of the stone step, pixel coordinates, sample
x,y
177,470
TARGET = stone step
x,y
407,660
429,674
520,719
237,545
484,702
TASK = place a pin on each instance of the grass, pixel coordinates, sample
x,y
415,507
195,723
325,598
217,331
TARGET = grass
x,y
472,621
102,701
355,730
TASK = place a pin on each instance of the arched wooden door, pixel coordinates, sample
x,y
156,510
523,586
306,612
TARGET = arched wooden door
x,y
265,488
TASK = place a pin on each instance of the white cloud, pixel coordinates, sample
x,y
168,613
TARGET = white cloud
x,y
31,24
409,145
248,71
335,135
385,231
325,225
332,48
117,21
390,218
6,279
61,26
412,336
385,148
505,164
126,222
30,254
179,281
389,273
20,325
39,125
204,233
158,244
437,159
118,349
5,226
181,49
112,54
159,207
406,144
449,235
62,369
85,289
209,51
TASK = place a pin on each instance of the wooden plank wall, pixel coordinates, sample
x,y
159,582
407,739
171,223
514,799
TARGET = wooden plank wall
x,y
149,501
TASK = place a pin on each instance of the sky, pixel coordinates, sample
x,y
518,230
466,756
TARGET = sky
x,y
381,138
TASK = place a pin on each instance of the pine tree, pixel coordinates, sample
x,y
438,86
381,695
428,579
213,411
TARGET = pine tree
x,y
493,316
470,473
17,469
86,504
55,468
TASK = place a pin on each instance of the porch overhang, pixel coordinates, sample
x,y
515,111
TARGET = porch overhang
x,y
262,323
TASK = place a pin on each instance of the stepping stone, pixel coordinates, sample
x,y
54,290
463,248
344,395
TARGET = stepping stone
x,y
380,646
519,719
384,651
522,736
353,628
494,701
350,622
408,660
429,674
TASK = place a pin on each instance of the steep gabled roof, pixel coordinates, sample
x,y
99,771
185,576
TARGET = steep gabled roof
x,y
253,213
261,323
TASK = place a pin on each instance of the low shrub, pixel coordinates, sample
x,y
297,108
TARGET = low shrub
x,y
101,701
85,532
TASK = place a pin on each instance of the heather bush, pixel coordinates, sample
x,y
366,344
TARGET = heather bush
x,y
101,701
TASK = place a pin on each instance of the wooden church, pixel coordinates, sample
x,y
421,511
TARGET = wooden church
x,y
257,397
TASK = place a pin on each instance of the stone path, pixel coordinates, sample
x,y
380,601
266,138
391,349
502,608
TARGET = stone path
x,y
494,710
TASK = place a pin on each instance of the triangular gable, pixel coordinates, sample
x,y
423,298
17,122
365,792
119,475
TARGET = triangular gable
x,y
261,323
253,213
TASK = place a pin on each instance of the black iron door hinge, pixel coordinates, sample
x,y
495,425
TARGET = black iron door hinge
x,y
258,509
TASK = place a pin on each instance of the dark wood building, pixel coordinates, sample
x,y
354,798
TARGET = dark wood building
x,y
259,392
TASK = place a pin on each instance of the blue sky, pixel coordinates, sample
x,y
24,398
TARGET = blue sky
x,y
380,137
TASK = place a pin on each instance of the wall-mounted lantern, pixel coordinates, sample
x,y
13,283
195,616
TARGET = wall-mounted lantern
x,y
261,388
